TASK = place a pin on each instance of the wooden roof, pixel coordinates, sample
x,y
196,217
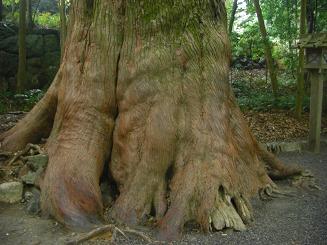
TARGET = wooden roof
x,y
314,40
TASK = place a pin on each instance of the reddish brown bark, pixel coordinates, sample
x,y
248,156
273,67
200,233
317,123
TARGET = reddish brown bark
x,y
152,98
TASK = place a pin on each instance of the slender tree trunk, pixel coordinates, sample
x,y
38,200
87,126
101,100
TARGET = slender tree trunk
x,y
1,10
267,45
21,74
151,98
290,39
310,15
232,17
12,9
36,10
300,71
29,16
63,26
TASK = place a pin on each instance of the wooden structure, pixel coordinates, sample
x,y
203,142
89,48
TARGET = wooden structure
x,y
315,46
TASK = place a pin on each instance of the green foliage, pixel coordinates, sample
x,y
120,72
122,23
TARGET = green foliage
x,y
248,44
9,2
19,102
256,95
281,19
47,20
45,12
265,101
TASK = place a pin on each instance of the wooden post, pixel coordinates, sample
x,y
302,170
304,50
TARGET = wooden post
x,y
324,100
315,110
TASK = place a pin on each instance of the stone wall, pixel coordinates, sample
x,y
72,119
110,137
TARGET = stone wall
x,y
43,56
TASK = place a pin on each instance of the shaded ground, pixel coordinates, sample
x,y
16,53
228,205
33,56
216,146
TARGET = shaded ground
x,y
301,219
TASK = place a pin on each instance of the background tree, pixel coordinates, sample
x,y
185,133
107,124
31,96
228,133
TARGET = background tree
x,y
21,74
144,86
1,10
63,25
300,75
232,17
267,46
29,16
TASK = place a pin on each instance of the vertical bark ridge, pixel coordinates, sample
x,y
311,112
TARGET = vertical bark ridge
x,y
80,141
177,112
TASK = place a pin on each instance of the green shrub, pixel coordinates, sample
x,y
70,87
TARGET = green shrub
x,y
19,102
257,95
47,20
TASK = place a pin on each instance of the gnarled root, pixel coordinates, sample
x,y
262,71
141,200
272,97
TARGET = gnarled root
x,y
272,191
35,125
230,212
77,152
305,180
276,169
106,229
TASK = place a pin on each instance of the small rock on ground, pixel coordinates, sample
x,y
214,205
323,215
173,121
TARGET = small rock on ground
x,y
11,192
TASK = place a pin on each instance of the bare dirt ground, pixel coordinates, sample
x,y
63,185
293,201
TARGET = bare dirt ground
x,y
299,219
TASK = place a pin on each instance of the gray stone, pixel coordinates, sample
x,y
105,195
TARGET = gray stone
x,y
8,64
33,201
43,56
37,161
291,147
11,192
34,45
31,177
51,43
9,44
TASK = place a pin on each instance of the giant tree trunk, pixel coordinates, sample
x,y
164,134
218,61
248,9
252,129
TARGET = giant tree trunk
x,y
145,88
267,47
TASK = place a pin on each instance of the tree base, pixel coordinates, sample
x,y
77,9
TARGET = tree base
x,y
157,106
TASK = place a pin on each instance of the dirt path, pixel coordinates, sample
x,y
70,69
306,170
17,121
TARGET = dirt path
x,y
289,220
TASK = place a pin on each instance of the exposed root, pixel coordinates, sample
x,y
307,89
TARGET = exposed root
x,y
275,168
230,213
272,191
35,125
305,180
243,208
34,149
109,228
225,216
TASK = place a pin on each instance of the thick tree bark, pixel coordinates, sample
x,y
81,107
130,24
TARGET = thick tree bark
x,y
145,88
300,71
232,17
21,74
267,46
63,26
